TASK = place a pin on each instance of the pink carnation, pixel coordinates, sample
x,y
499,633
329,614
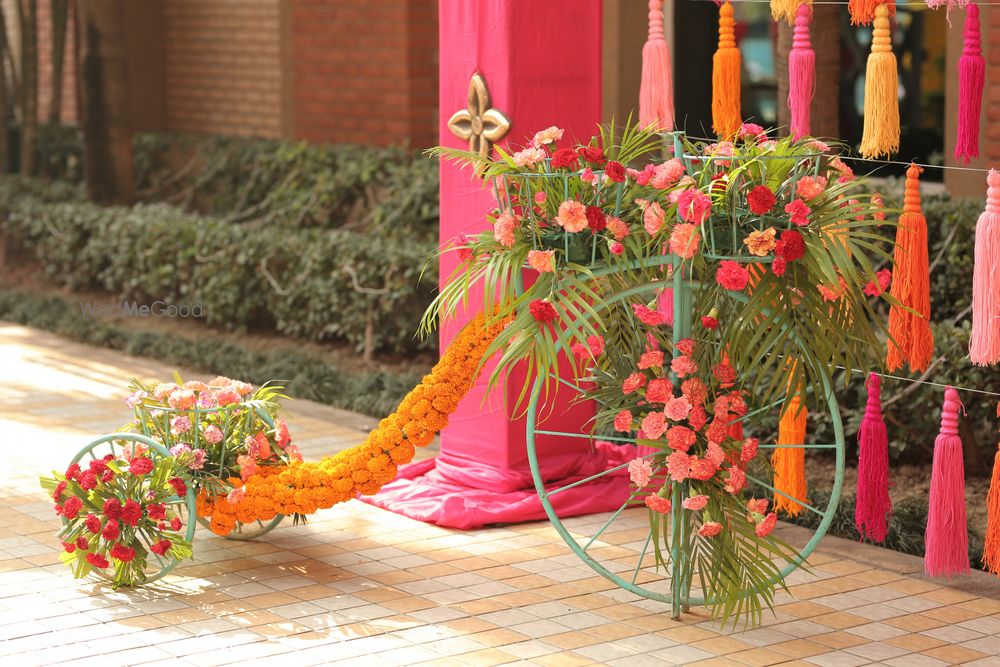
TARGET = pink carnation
x,y
702,469
732,275
639,471
698,417
679,466
659,391
710,529
623,421
653,425
236,495
616,247
695,391
653,218
181,399
666,174
658,504
799,212
684,240
694,206
617,227
212,434
528,156
572,216
542,261
736,480
633,382
503,229
749,450
677,408
648,316
765,527
683,366
651,359
695,503
808,187
757,505
680,438
715,454
547,136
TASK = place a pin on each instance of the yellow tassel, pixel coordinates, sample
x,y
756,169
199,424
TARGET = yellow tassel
x,y
881,131
786,9
789,463
726,118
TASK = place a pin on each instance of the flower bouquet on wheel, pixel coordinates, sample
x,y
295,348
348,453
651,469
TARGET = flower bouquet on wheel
x,y
692,290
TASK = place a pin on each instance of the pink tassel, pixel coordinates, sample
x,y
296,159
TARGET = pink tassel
x,y
984,344
946,541
971,79
873,506
801,73
656,96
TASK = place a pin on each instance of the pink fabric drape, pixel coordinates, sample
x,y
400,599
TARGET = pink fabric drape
x,y
542,64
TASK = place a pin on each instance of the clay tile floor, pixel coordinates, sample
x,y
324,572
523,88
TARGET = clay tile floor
x,y
358,585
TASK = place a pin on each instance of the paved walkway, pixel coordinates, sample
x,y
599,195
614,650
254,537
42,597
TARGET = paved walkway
x,y
358,585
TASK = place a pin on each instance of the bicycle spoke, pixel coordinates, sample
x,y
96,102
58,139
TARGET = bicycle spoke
x,y
785,495
549,494
642,556
611,518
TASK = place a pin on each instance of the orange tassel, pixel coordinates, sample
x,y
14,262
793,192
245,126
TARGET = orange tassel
x,y
863,11
789,463
911,340
991,545
726,117
881,128
786,9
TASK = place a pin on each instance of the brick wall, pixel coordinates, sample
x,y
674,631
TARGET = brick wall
x,y
223,66
68,110
365,71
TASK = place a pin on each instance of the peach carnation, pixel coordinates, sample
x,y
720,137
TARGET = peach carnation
x,y
542,261
572,216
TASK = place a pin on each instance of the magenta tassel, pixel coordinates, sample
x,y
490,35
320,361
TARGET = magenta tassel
x,y
871,513
946,541
801,73
971,79
656,95
984,343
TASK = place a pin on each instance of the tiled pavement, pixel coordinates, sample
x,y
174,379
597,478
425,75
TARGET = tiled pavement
x,y
358,585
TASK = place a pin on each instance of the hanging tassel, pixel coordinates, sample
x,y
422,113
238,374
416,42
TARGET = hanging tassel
x,y
881,128
726,118
656,90
801,73
984,344
789,463
786,9
949,4
863,11
971,79
910,338
871,513
991,545
946,540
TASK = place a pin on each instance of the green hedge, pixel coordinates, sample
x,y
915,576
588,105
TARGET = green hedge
x,y
311,282
376,393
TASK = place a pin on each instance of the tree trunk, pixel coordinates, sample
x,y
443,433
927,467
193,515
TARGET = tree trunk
x,y
107,137
27,11
60,17
824,31
4,97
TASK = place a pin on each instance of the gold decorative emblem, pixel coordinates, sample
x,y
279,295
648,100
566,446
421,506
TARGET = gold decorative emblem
x,y
479,124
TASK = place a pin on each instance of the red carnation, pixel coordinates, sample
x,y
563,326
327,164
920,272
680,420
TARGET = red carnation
x,y
82,544
884,277
140,466
131,512
57,494
615,172
564,158
112,508
593,154
88,480
70,547
72,507
761,200
180,488
97,560
779,266
792,246
73,471
111,532
156,511
595,219
732,275
709,322
175,523
542,310
123,553
161,547
93,523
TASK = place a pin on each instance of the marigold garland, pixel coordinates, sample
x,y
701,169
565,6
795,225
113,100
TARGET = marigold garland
x,y
303,488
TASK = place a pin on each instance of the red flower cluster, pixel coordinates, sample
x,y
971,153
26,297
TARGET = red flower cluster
x,y
884,277
595,219
565,158
542,310
790,247
140,466
732,275
761,200
615,172
593,154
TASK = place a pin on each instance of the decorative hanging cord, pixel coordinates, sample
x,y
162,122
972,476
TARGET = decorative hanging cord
x,y
984,343
946,540
971,81
801,72
656,95
880,135
872,509
726,117
864,12
991,543
911,341
789,463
